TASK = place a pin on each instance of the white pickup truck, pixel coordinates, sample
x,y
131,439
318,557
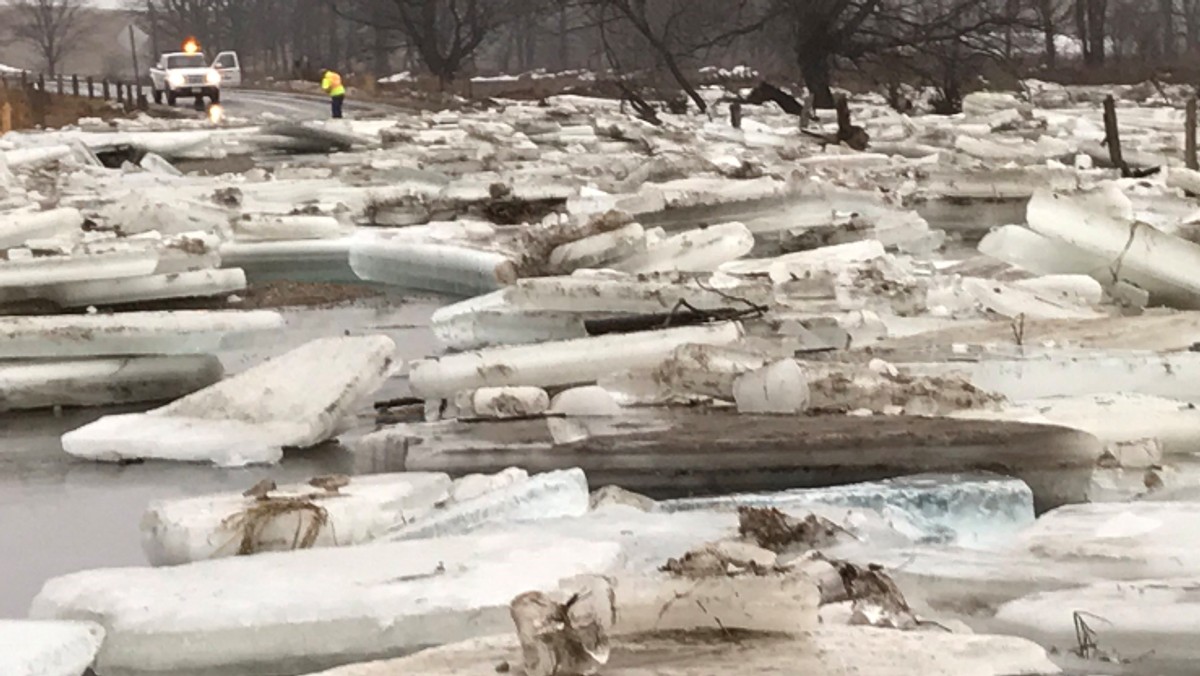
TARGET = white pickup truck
x,y
190,74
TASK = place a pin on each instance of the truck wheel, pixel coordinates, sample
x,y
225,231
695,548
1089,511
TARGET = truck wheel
x,y
157,96
215,95
199,103
170,98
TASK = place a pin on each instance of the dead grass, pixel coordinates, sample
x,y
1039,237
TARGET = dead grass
x,y
255,519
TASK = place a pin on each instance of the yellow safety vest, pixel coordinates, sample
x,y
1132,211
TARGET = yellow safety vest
x,y
332,83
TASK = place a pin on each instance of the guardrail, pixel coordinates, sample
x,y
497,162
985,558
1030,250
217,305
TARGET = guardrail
x,y
25,98
129,94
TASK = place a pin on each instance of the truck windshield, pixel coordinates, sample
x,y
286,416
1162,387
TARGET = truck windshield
x,y
187,61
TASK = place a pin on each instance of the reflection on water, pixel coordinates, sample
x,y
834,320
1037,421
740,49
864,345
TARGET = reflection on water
x,y
59,515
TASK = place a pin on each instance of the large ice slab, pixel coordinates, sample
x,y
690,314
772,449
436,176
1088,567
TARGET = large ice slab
x,y
42,271
30,648
694,251
444,267
295,400
1171,376
18,228
569,362
296,612
719,451
104,382
1155,621
188,284
1112,418
544,496
832,651
1102,223
630,294
130,333
966,509
219,526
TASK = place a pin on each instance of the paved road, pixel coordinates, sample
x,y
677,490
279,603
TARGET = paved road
x,y
254,102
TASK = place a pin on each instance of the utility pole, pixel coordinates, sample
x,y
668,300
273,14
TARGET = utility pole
x,y
154,29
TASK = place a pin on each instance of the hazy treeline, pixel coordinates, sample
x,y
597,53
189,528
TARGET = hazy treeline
x,y
943,43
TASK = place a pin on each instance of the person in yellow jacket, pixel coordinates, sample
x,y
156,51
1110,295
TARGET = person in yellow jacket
x,y
331,83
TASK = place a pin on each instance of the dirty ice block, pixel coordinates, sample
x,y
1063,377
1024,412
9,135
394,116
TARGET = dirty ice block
x,y
967,509
295,400
218,526
297,612
104,382
544,496
129,333
568,362
29,648
828,651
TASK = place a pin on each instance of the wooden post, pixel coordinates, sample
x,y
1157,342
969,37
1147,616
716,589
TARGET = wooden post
x,y
120,93
1112,135
91,85
61,89
735,115
1189,136
6,118
75,85
107,93
137,77
41,83
24,81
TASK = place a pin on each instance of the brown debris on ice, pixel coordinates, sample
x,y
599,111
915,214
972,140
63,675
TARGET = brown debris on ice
x,y
875,598
775,531
570,638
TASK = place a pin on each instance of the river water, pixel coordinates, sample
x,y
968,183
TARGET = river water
x,y
59,515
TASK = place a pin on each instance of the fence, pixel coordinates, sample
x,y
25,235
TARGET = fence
x,y
26,97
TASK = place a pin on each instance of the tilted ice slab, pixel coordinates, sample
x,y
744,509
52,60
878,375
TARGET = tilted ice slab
x,y
428,265
968,510
693,251
208,527
1042,255
309,259
42,271
104,382
1102,224
18,228
804,264
569,362
297,612
1112,418
544,496
295,400
130,333
29,648
489,321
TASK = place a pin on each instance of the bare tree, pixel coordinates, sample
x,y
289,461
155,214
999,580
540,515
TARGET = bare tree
x,y
51,26
446,34
679,30
824,31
